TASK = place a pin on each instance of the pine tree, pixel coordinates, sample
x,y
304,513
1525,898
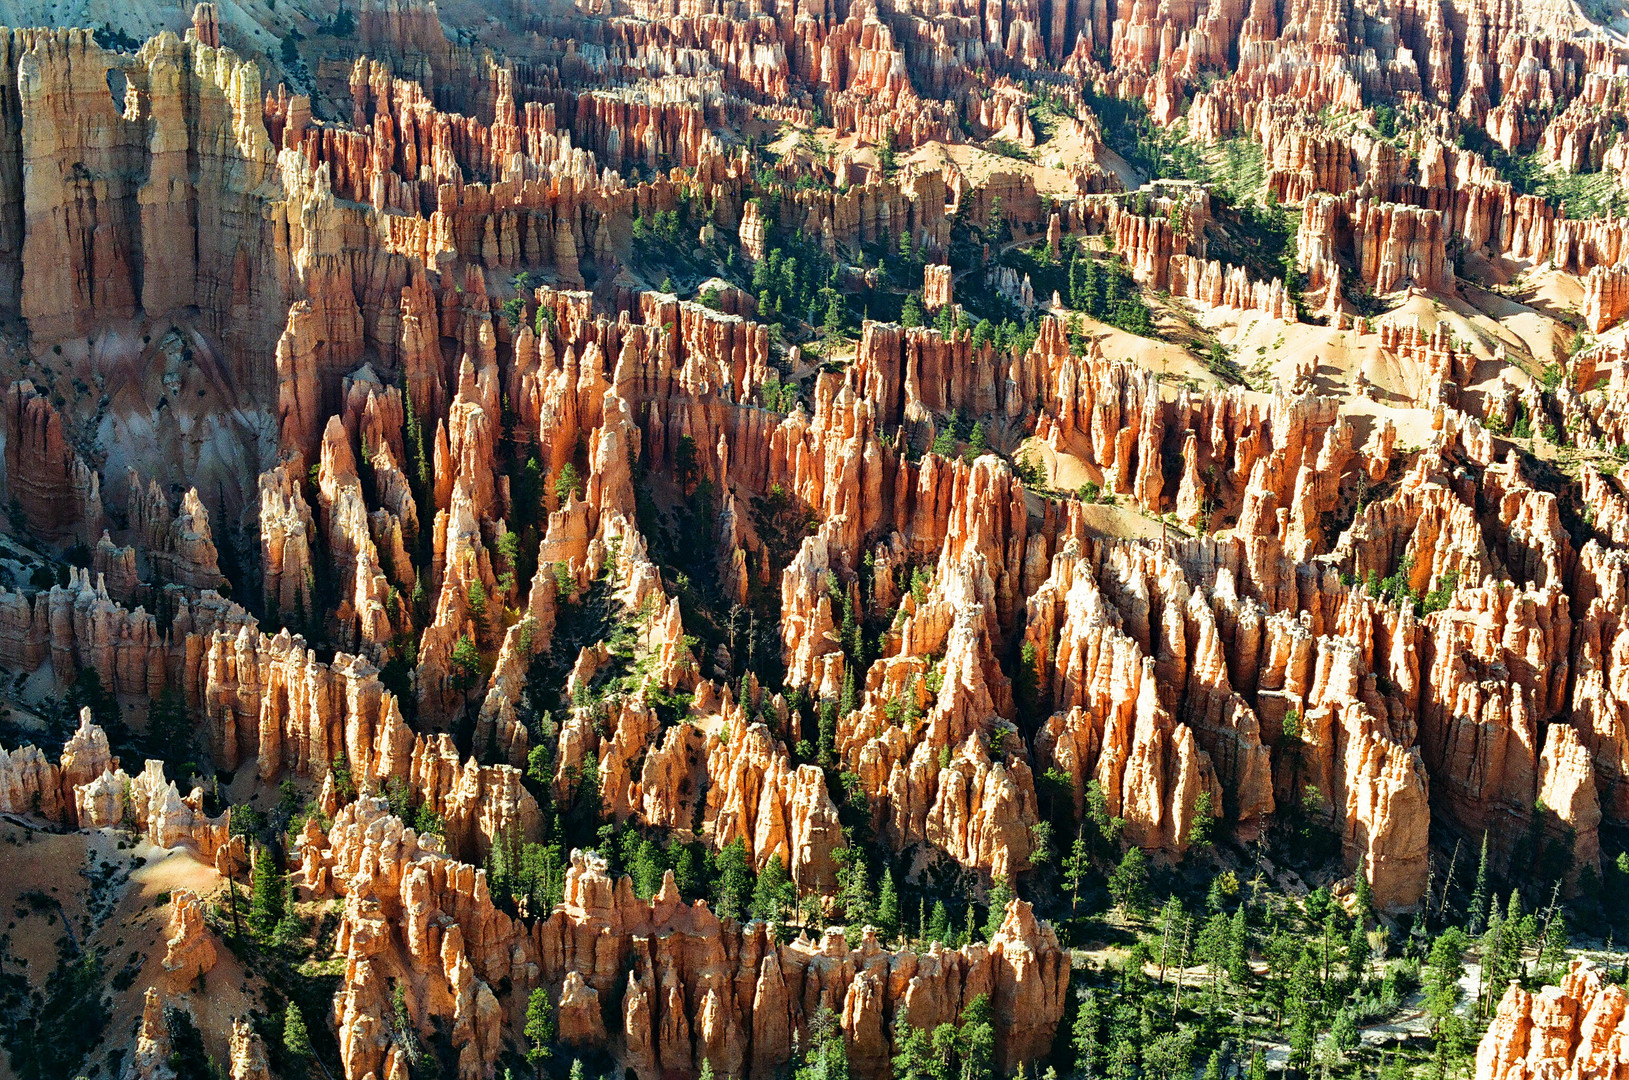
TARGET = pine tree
x,y
735,880
415,446
888,907
539,1028
978,440
1122,1060
647,869
1476,918
169,728
1343,1032
1553,952
1084,1035
1001,895
913,1057
910,313
827,1058
265,893
296,1044
977,1040
1238,944
568,483
1443,970
774,892
1495,974
939,924
1075,868
1090,299
1362,892
1172,922
835,317
466,663
1129,882
856,891
828,734
1357,955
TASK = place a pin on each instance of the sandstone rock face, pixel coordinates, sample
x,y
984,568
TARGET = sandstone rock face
x,y
248,1050
471,417
190,952
151,1057
725,993
1578,1026
59,494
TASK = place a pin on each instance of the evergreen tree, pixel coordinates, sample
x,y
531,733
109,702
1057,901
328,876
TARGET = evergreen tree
x,y
688,872
913,1058
939,924
735,880
297,1055
169,729
835,318
1001,895
1085,1035
1129,882
1122,1063
828,734
1476,918
1090,298
539,1030
568,483
1238,963
1027,686
1075,867
1169,1056
647,869
888,907
466,663
977,1040
1442,974
415,447
265,893
910,313
978,441
1172,922
1362,891
827,1058
1357,955
774,894
856,891
1553,953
